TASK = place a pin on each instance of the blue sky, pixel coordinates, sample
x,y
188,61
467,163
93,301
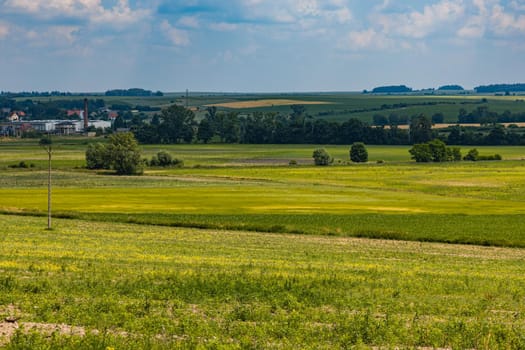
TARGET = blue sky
x,y
259,45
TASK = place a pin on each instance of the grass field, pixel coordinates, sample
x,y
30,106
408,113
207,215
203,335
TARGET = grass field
x,y
331,106
240,250
120,286
241,187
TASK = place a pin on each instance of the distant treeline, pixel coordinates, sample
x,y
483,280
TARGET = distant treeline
x,y
178,125
393,89
35,94
482,115
55,109
500,88
132,92
451,88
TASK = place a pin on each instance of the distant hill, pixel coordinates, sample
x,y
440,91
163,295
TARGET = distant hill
x,y
391,89
451,88
500,88
132,92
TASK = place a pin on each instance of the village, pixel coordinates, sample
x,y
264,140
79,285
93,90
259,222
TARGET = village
x,y
15,123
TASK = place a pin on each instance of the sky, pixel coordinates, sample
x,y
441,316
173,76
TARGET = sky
x,y
259,45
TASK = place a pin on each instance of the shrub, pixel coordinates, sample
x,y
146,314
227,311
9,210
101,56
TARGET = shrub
x,y
164,159
358,153
453,154
472,155
292,162
322,157
421,153
435,151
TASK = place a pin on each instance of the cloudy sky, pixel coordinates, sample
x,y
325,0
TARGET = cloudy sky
x,y
259,45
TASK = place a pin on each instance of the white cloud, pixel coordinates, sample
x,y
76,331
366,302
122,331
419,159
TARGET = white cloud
x,y
188,22
506,23
294,11
4,30
493,18
177,36
223,27
92,10
366,40
417,24
55,35
517,5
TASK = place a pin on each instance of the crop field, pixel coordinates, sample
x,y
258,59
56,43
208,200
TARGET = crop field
x,y
266,103
238,249
121,286
330,106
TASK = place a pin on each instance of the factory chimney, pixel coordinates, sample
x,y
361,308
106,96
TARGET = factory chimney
x,y
86,119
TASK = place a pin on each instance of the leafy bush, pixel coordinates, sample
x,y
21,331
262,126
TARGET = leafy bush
x,y
453,154
164,159
322,157
435,151
421,153
358,153
472,155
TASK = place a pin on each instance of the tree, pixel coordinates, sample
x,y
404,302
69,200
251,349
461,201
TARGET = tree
x,y
420,129
205,131
435,151
322,157
97,156
438,150
421,153
124,154
47,145
380,120
177,125
358,153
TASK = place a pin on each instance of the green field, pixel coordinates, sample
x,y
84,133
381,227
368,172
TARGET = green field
x,y
238,249
253,188
339,106
127,286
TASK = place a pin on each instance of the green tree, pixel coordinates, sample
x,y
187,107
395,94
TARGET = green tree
x,y
322,157
97,156
421,153
124,154
177,125
420,129
358,153
205,131
438,150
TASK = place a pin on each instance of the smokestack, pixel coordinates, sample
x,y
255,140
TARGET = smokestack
x,y
86,119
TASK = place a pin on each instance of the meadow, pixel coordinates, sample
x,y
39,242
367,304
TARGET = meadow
x,y
92,285
239,249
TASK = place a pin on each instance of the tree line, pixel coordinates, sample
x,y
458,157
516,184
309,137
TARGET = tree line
x,y
177,124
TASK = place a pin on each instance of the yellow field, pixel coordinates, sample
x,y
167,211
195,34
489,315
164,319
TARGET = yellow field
x,y
266,103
